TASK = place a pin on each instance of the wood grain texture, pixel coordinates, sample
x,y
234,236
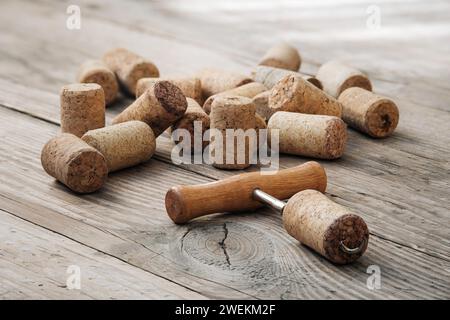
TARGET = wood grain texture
x,y
34,263
399,185
220,256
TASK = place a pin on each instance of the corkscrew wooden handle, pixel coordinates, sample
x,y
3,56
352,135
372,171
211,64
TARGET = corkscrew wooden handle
x,y
184,203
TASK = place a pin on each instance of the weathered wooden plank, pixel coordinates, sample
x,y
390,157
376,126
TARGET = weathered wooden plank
x,y
221,256
414,144
34,264
412,162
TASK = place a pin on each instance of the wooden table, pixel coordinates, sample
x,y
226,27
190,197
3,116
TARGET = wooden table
x,y
121,238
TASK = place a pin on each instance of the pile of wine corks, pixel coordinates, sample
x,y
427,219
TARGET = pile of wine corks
x,y
309,113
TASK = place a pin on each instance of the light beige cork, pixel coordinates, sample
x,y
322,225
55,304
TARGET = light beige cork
x,y
283,56
248,90
309,135
190,86
159,107
269,76
123,145
232,113
74,163
292,93
129,68
93,71
367,112
82,108
337,76
321,224
194,112
215,81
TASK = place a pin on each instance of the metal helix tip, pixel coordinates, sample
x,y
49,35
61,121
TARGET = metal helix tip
x,y
356,250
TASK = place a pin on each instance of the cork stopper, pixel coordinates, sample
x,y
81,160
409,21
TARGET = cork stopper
x,y
194,112
337,76
74,163
261,102
82,108
123,145
190,86
129,68
94,71
260,123
316,136
215,81
321,224
292,93
232,113
160,107
367,112
270,76
248,90
282,56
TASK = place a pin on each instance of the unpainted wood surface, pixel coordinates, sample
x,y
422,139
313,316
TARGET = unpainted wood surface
x,y
398,185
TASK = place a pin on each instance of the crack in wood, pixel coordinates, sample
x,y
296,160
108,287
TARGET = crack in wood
x,y
223,245
182,239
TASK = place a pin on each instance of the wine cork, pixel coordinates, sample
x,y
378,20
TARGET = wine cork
x,y
74,163
261,102
232,113
367,112
215,81
308,135
282,56
93,71
321,224
270,76
191,87
123,145
248,90
294,94
260,123
129,68
160,106
194,112
82,108
336,77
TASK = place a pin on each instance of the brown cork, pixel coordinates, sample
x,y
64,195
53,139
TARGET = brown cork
x,y
123,145
248,90
93,71
292,93
129,68
270,76
160,107
282,56
194,112
367,112
321,224
260,123
74,163
82,108
261,102
232,113
336,77
309,135
191,87
215,81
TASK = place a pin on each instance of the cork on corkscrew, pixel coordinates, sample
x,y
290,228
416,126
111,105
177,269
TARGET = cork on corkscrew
x,y
309,216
